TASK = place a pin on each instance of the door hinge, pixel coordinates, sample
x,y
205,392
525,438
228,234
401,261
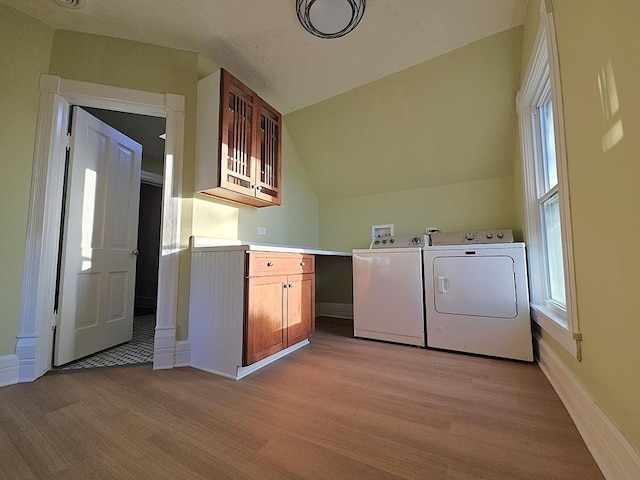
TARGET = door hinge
x,y
69,139
55,319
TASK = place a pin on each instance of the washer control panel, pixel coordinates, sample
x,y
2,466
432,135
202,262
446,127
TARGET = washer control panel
x,y
504,235
400,241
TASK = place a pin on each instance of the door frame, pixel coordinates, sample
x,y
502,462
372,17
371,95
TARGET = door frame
x,y
34,343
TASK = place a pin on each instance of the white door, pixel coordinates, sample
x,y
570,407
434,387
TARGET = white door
x,y
475,286
98,262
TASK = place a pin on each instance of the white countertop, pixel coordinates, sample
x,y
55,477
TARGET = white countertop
x,y
207,244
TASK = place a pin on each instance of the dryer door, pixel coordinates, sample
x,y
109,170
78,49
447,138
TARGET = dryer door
x,y
482,286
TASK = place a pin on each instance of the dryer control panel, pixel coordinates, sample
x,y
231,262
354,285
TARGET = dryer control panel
x,y
504,235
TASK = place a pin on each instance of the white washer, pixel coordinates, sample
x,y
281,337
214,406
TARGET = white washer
x,y
388,294
476,294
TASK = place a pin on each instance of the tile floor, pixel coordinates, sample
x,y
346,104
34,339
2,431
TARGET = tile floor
x,y
138,350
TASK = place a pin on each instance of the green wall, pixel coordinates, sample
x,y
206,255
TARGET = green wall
x,y
598,47
430,146
25,47
295,222
346,223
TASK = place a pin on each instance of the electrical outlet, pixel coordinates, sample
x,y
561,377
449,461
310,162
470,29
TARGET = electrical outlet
x,y
262,230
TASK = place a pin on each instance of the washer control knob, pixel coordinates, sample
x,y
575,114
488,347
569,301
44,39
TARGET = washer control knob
x,y
384,241
416,241
470,236
489,235
500,235
376,242
392,241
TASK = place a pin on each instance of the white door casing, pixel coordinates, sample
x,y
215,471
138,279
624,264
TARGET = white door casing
x,y
34,343
99,237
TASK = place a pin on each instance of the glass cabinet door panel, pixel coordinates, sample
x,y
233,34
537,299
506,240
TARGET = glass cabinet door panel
x,y
269,152
237,139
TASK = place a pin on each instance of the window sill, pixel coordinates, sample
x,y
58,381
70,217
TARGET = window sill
x,y
550,323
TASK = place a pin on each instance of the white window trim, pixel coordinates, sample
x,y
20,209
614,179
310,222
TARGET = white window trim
x,y
543,62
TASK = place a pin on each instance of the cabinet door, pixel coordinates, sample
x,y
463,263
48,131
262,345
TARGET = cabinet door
x,y
300,307
237,136
269,154
265,327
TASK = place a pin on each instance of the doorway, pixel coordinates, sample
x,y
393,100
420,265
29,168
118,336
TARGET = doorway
x,y
34,343
137,347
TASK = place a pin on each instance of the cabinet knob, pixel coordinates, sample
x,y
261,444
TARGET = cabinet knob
x,y
269,264
302,264
285,285
290,285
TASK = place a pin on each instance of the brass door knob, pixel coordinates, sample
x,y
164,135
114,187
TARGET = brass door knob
x,y
135,253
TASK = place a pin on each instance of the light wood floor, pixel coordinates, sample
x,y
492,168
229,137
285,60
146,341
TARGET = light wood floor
x,y
340,408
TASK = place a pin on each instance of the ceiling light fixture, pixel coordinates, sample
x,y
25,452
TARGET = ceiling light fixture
x,y
330,18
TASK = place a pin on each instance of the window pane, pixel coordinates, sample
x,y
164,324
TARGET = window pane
x,y
553,248
548,145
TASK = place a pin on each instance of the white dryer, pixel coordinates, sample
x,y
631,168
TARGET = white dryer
x,y
476,294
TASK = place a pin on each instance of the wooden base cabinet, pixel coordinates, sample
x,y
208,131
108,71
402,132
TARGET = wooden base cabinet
x,y
266,323
280,303
248,308
300,307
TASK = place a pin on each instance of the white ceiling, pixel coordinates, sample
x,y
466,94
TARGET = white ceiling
x,y
262,43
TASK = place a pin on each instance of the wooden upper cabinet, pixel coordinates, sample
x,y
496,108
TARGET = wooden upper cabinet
x,y
239,143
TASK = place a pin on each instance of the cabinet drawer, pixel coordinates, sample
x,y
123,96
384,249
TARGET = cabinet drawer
x,y
280,264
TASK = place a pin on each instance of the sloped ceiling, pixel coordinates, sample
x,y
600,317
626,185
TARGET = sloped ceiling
x,y
448,120
261,41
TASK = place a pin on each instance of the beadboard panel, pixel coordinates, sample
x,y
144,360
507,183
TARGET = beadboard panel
x,y
216,310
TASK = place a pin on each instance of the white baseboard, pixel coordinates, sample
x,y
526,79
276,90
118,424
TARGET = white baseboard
x,y
164,347
336,310
8,370
244,371
182,354
616,457
26,347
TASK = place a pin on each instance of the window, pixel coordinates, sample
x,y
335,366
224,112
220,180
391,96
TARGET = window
x,y
547,209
